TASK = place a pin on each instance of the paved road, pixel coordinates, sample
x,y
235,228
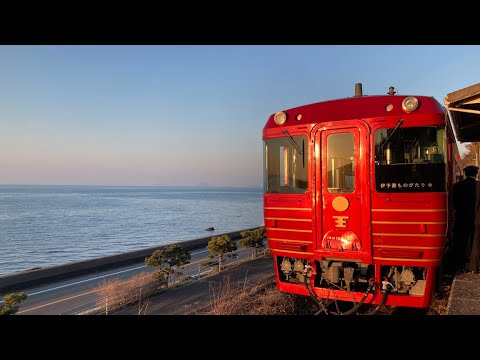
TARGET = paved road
x,y
79,294
193,297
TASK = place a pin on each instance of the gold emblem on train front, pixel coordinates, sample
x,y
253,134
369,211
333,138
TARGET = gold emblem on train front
x,y
340,221
340,203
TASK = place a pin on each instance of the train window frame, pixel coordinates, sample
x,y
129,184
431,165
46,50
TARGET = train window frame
x,y
341,166
285,165
410,159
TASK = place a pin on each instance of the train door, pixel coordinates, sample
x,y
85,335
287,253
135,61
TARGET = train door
x,y
343,191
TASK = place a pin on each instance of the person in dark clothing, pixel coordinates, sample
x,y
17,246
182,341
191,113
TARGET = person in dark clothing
x,y
464,226
474,263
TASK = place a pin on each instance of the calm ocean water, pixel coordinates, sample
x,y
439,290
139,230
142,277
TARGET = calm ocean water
x,y
41,226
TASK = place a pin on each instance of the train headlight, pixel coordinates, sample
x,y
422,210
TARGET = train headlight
x,y
410,104
280,118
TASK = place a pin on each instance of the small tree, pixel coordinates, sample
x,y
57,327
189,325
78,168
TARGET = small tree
x,y
254,239
219,247
11,303
111,294
173,256
117,293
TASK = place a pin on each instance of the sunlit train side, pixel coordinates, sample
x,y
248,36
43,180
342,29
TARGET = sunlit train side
x,y
356,198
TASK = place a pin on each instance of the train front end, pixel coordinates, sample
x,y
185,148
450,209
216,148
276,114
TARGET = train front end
x,y
355,198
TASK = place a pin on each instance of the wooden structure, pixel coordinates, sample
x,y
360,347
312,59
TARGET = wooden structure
x,y
464,108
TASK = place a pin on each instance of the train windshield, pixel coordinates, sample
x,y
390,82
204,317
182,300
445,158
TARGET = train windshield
x,y
410,159
285,165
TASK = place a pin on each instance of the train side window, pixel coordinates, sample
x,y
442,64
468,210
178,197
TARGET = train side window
x,y
340,163
285,165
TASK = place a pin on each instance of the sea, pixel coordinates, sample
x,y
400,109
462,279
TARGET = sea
x,y
43,226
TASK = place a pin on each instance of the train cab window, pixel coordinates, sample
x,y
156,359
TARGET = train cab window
x,y
340,163
285,165
410,159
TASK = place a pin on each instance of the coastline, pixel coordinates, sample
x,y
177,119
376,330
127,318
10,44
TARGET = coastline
x,y
36,277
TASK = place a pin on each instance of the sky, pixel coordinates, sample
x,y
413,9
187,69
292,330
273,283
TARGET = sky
x,y
186,115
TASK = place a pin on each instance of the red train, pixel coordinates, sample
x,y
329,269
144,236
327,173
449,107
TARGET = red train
x,y
356,198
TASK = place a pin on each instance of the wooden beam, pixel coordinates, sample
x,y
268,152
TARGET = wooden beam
x,y
463,95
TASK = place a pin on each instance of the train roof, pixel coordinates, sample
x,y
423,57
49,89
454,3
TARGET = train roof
x,y
357,107
463,107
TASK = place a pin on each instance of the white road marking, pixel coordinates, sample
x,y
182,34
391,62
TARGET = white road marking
x,y
83,281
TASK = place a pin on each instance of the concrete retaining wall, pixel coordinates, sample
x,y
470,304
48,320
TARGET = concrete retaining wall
x,y
30,278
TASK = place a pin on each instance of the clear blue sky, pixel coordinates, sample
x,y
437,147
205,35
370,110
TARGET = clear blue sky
x,y
186,115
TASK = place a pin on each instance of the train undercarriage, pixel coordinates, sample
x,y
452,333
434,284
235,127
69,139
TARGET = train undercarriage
x,y
330,281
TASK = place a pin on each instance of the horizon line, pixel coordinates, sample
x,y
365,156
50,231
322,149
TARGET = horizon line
x,y
154,185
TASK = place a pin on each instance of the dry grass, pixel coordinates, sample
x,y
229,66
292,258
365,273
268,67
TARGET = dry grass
x,y
115,293
264,298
